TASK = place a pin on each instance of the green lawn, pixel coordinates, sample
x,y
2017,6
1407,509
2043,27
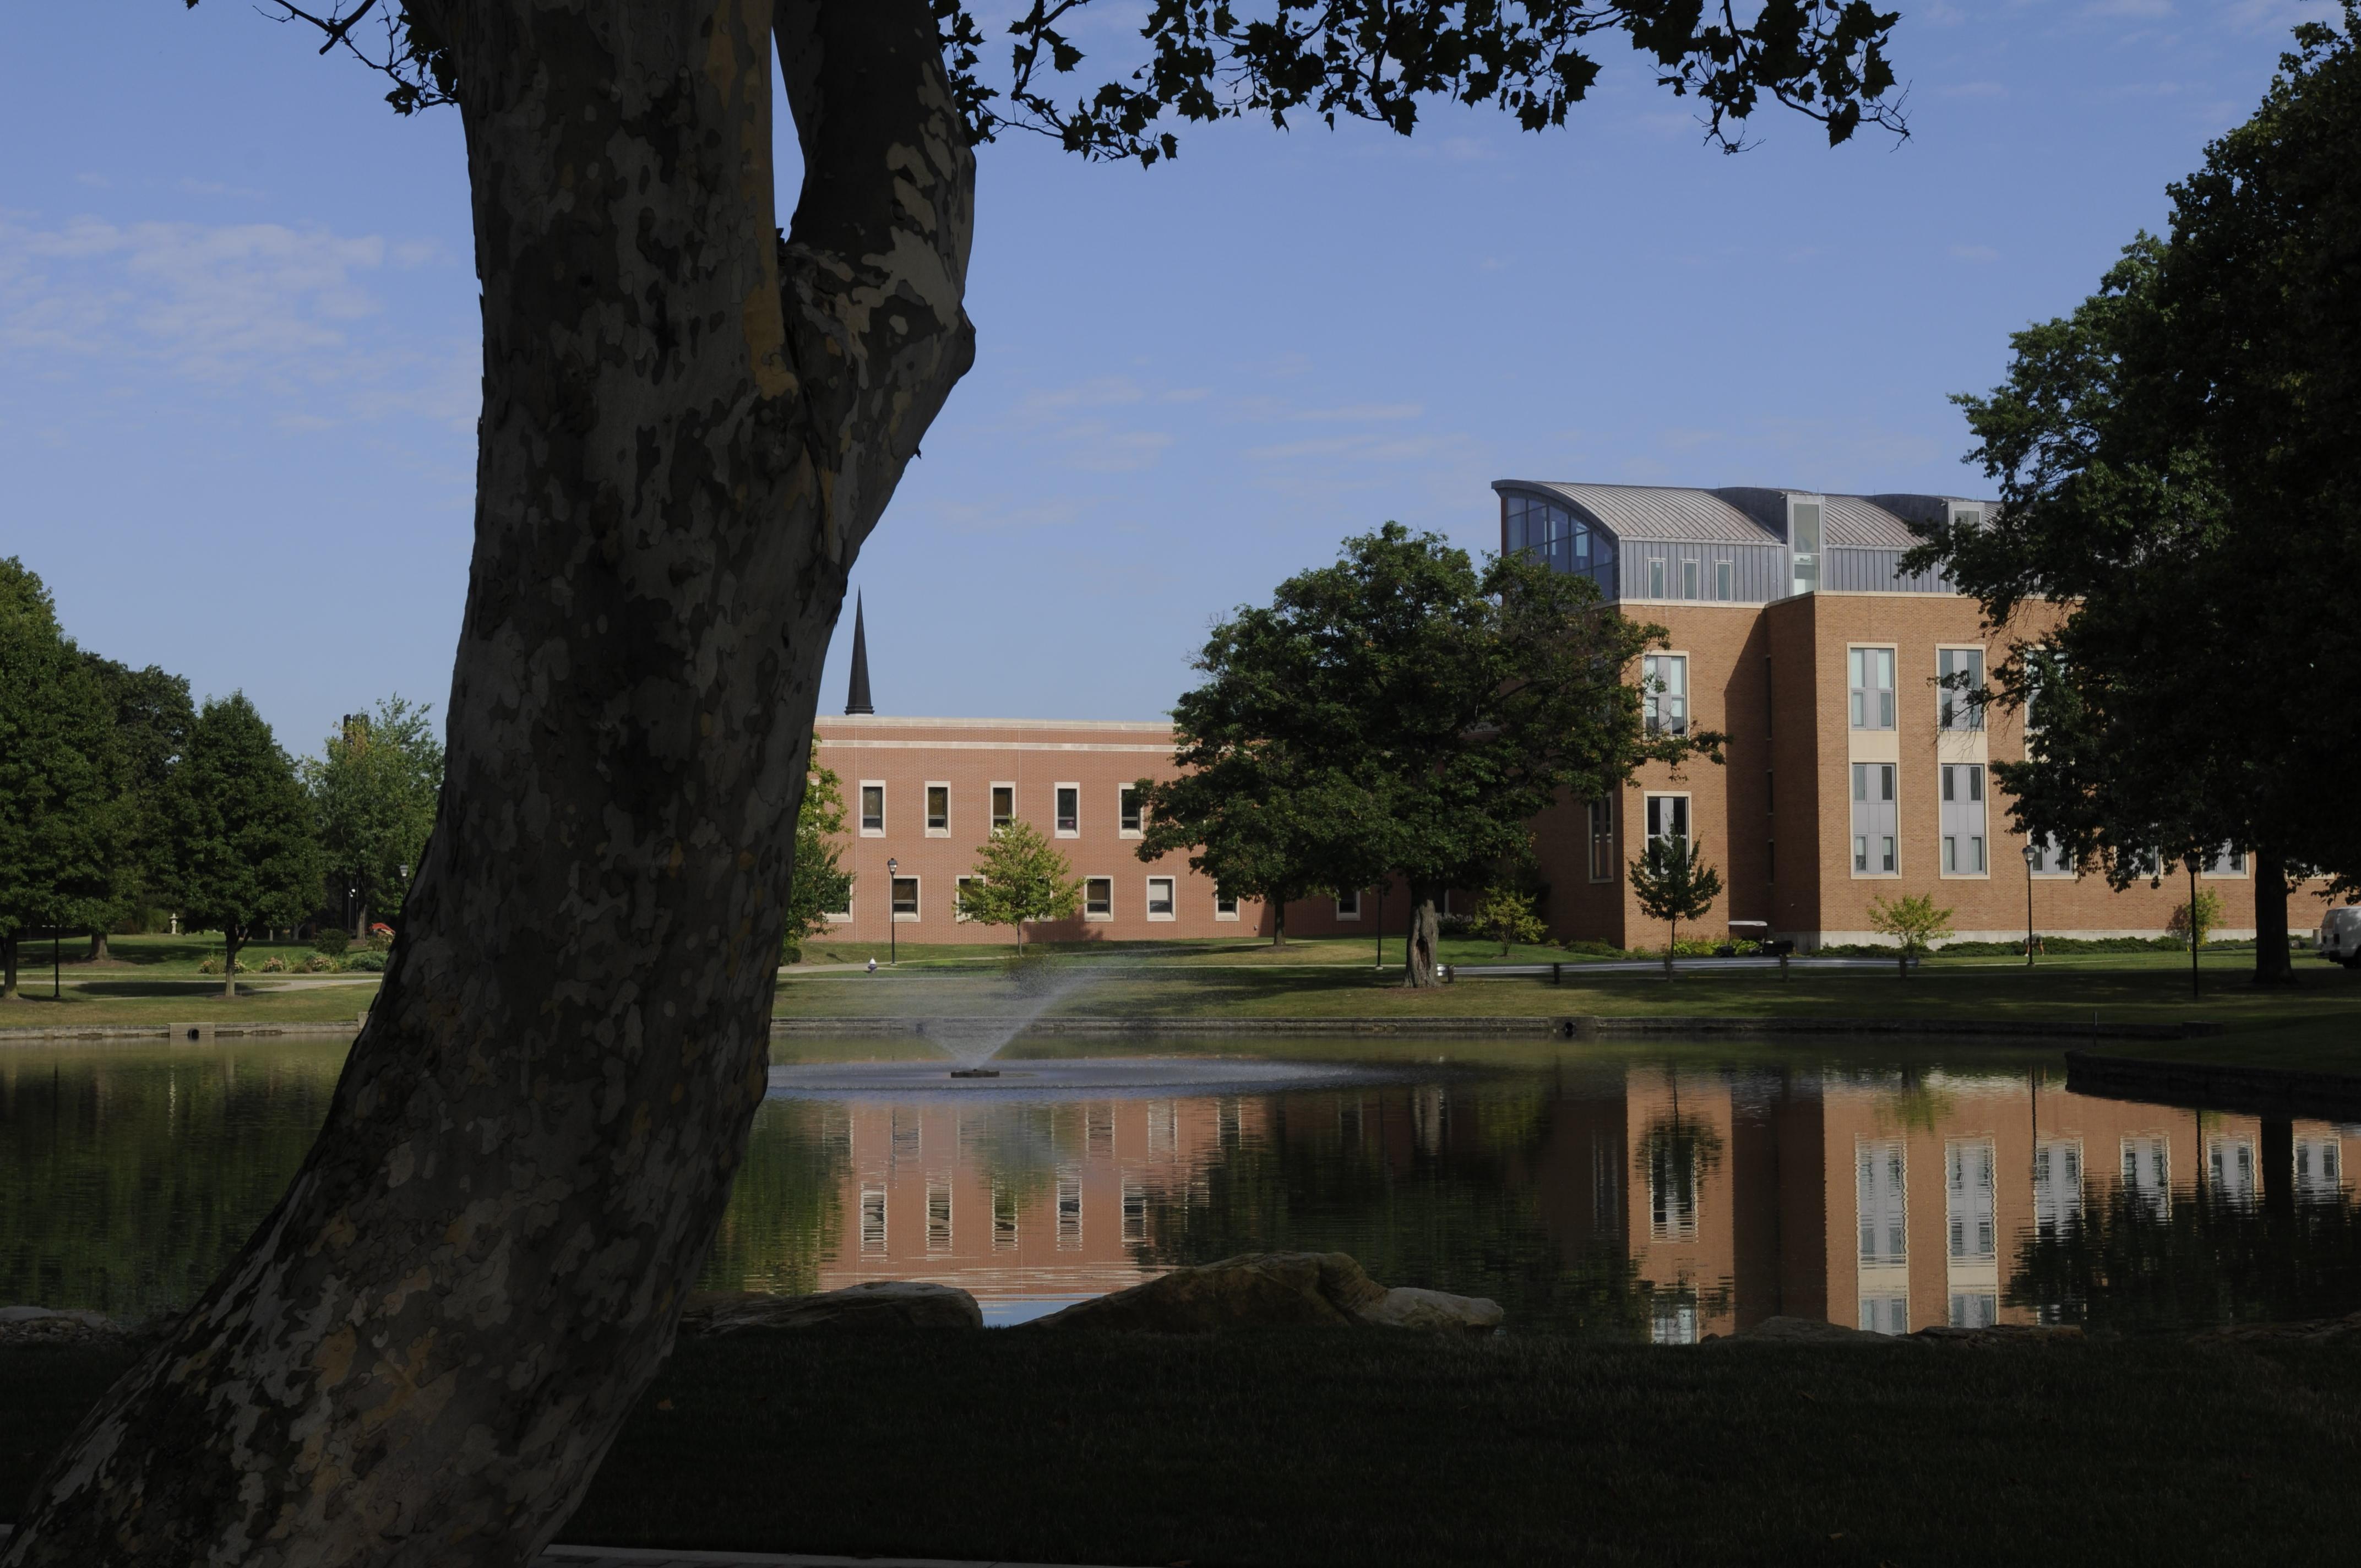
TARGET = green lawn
x,y
1217,952
1307,1449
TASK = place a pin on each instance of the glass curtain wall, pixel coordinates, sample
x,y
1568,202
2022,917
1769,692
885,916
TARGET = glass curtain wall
x,y
1559,539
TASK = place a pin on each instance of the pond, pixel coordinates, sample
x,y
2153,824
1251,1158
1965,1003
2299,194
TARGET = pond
x,y
1665,1193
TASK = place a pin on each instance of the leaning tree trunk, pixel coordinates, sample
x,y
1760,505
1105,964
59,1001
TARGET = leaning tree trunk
x,y
1421,971
2273,964
688,428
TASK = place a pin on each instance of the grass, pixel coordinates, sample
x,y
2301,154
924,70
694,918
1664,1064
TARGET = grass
x,y
1307,1449
1217,952
154,980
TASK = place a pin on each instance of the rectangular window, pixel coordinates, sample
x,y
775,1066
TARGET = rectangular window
x,y
1160,898
1974,1308
1348,905
1656,576
1881,1178
1098,898
1664,688
1225,907
1070,810
1098,1132
1668,817
1127,807
2057,1189
1135,1210
2050,859
1602,840
939,1213
959,895
1959,686
1070,1212
2319,1169
1804,544
1688,579
1968,1201
1875,820
872,1221
2148,1175
1725,575
1163,1127
939,811
872,810
1871,675
2226,861
1003,806
2232,1162
905,898
1962,824
1004,1217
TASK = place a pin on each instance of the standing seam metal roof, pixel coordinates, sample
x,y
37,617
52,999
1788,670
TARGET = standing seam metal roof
x,y
1659,512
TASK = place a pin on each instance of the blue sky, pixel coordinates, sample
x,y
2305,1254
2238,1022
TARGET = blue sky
x,y
238,340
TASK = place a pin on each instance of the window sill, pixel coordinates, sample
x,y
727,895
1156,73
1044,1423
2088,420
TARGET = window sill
x,y
938,832
1159,918
902,919
872,832
1129,833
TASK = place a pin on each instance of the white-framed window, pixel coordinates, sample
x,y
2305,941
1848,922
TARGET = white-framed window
x,y
1602,840
1975,1308
1225,905
1348,905
1804,542
1870,674
1962,819
1725,579
1882,1198
873,808
1070,1211
2050,859
2319,1169
2057,1188
1098,898
1004,1217
1656,576
1668,817
1689,570
939,811
1128,822
1003,806
1067,801
1664,688
959,896
905,898
2227,860
2232,1165
2148,1174
1885,1312
1160,898
1968,1187
1959,686
872,1221
939,1213
1134,1209
1875,820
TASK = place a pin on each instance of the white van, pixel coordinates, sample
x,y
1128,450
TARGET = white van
x,y
2340,935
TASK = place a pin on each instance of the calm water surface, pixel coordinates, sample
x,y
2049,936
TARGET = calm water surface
x,y
1665,1194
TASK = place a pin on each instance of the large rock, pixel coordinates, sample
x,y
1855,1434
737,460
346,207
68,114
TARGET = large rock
x,y
878,1305
20,1325
1272,1289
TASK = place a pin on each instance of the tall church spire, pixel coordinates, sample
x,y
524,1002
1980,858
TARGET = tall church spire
x,y
856,700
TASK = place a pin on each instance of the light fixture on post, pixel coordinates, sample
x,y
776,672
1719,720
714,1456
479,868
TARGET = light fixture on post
x,y
2029,902
893,930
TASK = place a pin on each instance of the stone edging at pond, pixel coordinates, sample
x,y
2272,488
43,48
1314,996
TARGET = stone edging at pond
x,y
197,1033
2216,1086
1565,1026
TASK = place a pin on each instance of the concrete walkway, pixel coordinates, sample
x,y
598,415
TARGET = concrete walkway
x,y
659,1557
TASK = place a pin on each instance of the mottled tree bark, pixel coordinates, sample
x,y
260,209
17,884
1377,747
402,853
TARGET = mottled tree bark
x,y
688,428
233,939
98,954
1420,969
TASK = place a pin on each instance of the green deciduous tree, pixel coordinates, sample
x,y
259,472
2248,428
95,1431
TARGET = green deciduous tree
x,y
1671,883
373,788
2193,918
1505,915
2178,463
61,814
243,853
820,881
1914,921
152,715
1020,878
692,422
1405,713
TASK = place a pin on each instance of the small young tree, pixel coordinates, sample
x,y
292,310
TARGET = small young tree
x,y
373,790
1912,920
1020,877
820,881
240,829
2192,919
1507,916
1672,884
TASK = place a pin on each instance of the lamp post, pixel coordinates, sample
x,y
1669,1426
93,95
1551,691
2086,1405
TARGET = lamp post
x,y
2028,903
1381,926
893,930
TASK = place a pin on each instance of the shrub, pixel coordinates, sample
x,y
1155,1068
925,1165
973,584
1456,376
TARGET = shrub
x,y
316,963
1450,924
211,964
274,964
1594,949
332,940
370,960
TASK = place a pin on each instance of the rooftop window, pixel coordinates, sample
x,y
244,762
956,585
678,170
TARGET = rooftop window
x,y
1558,539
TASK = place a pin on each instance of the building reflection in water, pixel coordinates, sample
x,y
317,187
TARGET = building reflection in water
x,y
1627,1202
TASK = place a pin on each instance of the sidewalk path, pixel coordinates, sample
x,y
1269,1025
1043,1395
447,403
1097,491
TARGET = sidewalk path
x,y
661,1557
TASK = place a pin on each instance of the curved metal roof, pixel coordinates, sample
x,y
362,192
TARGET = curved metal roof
x,y
1656,511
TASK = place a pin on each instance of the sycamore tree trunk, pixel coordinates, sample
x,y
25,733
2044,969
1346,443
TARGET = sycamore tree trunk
x,y
1279,922
231,939
2273,964
1421,971
97,945
688,428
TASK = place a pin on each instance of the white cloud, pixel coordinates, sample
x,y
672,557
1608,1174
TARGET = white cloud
x,y
1975,253
1973,89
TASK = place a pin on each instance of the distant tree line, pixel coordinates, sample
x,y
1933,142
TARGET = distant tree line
x,y
123,801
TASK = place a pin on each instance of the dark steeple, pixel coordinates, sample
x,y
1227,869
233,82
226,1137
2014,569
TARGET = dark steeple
x,y
856,700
